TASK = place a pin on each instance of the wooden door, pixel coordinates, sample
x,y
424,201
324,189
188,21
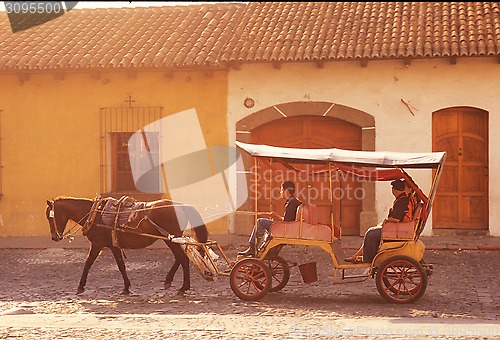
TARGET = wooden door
x,y
312,132
462,196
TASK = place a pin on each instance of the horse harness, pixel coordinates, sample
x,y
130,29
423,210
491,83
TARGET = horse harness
x,y
124,214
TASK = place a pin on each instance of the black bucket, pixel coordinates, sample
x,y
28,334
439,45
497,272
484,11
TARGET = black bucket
x,y
308,272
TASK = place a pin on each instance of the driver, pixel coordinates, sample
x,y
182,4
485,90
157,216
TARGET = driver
x,y
263,224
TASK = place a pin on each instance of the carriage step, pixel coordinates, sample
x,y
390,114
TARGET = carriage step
x,y
353,275
338,252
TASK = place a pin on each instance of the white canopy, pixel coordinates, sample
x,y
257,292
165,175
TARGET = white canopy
x,y
362,158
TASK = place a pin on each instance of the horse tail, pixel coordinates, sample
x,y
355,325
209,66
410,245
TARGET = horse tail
x,y
194,217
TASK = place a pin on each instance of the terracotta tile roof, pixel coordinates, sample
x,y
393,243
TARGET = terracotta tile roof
x,y
284,31
153,37
218,34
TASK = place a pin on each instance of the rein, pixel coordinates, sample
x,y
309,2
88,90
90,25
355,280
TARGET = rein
x,y
177,204
69,232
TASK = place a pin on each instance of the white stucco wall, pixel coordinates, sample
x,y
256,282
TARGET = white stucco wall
x,y
426,85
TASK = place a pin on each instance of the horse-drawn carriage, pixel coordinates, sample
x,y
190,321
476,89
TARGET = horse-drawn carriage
x,y
398,268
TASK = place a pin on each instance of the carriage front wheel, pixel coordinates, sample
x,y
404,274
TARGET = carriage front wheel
x,y
250,279
401,279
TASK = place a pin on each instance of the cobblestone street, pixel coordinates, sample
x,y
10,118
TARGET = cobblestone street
x,y
38,301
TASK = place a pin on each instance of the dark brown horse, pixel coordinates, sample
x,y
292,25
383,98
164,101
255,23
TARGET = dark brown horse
x,y
162,218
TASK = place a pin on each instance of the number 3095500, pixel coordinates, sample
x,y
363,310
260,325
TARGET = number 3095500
x,y
33,7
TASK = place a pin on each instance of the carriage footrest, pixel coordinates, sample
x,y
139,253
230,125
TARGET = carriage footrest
x,y
337,249
353,275
364,273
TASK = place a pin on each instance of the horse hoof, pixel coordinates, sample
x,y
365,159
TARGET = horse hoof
x,y
181,292
125,292
167,285
79,291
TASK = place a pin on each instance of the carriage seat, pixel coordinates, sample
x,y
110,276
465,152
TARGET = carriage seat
x,y
305,227
402,231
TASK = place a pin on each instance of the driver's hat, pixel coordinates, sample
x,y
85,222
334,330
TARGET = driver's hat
x,y
399,184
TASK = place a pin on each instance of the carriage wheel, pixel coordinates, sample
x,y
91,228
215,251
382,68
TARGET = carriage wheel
x,y
250,279
280,271
401,279
395,290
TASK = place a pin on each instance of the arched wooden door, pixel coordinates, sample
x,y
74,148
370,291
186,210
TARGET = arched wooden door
x,y
312,132
462,196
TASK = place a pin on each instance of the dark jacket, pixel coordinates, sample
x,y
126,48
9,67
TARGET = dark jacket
x,y
291,206
401,207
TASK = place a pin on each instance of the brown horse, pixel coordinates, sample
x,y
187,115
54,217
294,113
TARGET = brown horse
x,y
162,218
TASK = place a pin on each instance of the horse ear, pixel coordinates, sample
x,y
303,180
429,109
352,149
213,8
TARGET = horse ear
x,y
50,203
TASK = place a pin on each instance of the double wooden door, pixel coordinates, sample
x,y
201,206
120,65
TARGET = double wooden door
x,y
312,132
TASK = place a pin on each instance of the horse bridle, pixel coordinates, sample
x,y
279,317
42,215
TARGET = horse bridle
x,y
52,215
